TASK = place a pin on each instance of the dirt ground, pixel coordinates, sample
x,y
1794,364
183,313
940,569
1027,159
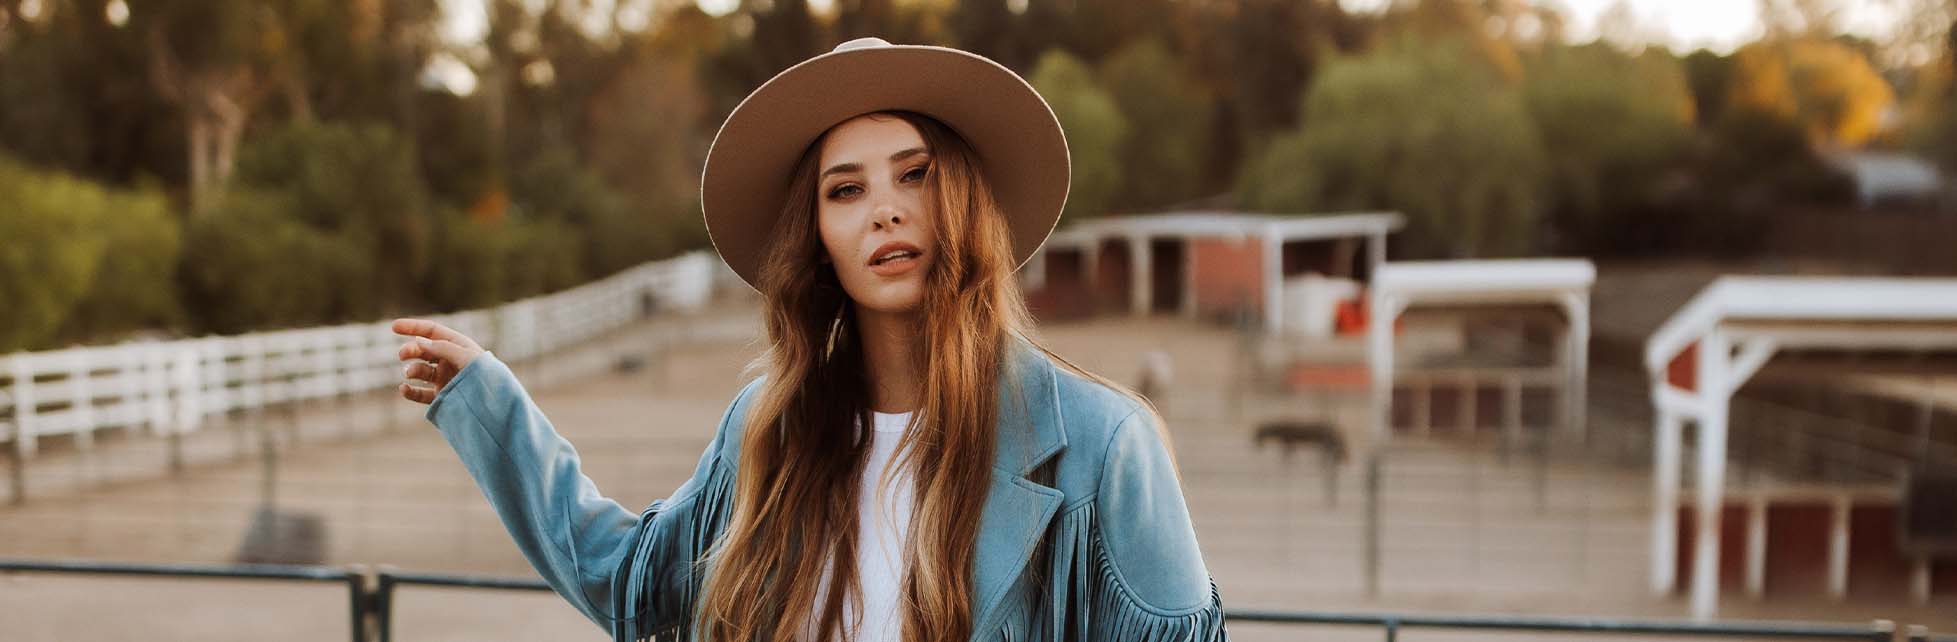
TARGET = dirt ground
x,y
1462,532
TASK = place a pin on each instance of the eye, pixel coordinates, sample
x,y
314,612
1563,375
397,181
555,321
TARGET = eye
x,y
915,173
845,190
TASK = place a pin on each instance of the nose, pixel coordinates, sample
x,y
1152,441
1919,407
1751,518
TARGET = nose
x,y
886,216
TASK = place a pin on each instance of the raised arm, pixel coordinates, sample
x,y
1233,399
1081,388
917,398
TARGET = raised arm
x,y
619,568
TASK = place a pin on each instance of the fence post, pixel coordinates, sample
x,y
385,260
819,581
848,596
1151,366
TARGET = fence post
x,y
16,452
1373,465
383,603
24,405
1511,416
156,397
360,602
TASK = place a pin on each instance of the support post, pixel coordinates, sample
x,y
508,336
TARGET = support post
x,y
1756,546
1511,416
1379,360
1141,285
1919,580
1838,548
1664,505
1033,274
1576,354
1272,259
1715,355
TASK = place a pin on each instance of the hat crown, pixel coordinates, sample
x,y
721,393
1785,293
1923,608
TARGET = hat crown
x,y
862,43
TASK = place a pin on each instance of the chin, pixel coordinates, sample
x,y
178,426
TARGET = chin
x,y
894,298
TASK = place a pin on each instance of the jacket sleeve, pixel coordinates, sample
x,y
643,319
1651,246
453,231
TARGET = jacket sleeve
x,y
1152,583
585,545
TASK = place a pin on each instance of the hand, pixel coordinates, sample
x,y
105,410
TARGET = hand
x,y
434,361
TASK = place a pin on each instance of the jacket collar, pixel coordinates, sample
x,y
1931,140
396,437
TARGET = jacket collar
x,y
1029,429
1017,510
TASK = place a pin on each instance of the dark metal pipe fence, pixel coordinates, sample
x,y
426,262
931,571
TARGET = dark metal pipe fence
x,y
371,598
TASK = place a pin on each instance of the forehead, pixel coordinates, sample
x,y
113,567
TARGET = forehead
x,y
867,138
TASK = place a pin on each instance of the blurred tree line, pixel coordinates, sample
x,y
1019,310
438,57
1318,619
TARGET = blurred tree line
x,y
199,166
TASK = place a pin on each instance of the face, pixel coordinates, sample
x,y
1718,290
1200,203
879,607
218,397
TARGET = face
x,y
873,210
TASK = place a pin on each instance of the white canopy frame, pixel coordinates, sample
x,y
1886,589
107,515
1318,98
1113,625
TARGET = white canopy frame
x,y
1736,325
1564,283
1270,231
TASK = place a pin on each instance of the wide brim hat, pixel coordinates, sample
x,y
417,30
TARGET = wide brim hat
x,y
1021,150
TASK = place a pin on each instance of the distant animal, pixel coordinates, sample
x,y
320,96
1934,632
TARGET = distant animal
x,y
629,363
1156,378
1291,433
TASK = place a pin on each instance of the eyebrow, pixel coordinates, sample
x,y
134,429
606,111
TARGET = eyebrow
x,y
857,167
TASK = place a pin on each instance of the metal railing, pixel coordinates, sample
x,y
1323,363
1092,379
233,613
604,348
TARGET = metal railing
x,y
371,597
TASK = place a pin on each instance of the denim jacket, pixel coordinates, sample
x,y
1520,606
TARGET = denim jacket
x,y
1116,558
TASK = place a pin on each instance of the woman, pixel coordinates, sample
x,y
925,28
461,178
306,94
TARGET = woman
x,y
880,198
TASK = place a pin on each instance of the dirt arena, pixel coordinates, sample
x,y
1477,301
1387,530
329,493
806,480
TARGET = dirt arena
x,y
1462,532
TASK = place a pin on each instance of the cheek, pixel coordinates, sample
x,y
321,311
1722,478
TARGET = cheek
x,y
830,231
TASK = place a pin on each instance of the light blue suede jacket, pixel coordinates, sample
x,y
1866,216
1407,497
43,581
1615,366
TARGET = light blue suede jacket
x,y
1118,556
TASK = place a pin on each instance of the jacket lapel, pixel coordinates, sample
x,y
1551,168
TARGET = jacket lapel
x,y
1017,509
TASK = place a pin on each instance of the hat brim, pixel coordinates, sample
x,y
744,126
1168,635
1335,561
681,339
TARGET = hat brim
x,y
1021,149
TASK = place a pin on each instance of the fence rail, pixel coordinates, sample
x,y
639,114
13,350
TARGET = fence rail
x,y
371,597
169,387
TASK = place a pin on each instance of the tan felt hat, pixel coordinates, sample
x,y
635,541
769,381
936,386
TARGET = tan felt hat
x,y
1019,143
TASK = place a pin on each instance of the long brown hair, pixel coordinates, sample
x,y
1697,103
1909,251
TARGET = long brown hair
x,y
795,493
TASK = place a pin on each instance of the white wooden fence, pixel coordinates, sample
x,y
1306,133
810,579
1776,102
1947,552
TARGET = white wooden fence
x,y
169,387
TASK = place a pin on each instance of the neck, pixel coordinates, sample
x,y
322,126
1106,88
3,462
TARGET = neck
x,y
891,354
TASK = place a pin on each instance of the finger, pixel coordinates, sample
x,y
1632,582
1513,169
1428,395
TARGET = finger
x,y
428,329
418,394
436,350
422,371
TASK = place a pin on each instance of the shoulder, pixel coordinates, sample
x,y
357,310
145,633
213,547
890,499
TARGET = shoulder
x,y
733,422
1142,518
1092,413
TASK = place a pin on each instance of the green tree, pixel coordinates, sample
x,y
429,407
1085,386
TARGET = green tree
x,y
1710,75
608,234
135,284
49,252
80,262
1612,126
1165,152
1418,129
358,183
252,263
647,141
1094,127
989,28
1827,86
485,262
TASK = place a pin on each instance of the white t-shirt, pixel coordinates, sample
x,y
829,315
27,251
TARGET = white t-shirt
x,y
882,520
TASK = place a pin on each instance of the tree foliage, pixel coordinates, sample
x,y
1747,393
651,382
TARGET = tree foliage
x,y
1417,129
1164,154
1095,129
1615,125
1828,87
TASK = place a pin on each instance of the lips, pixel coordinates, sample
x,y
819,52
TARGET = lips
x,y
894,258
